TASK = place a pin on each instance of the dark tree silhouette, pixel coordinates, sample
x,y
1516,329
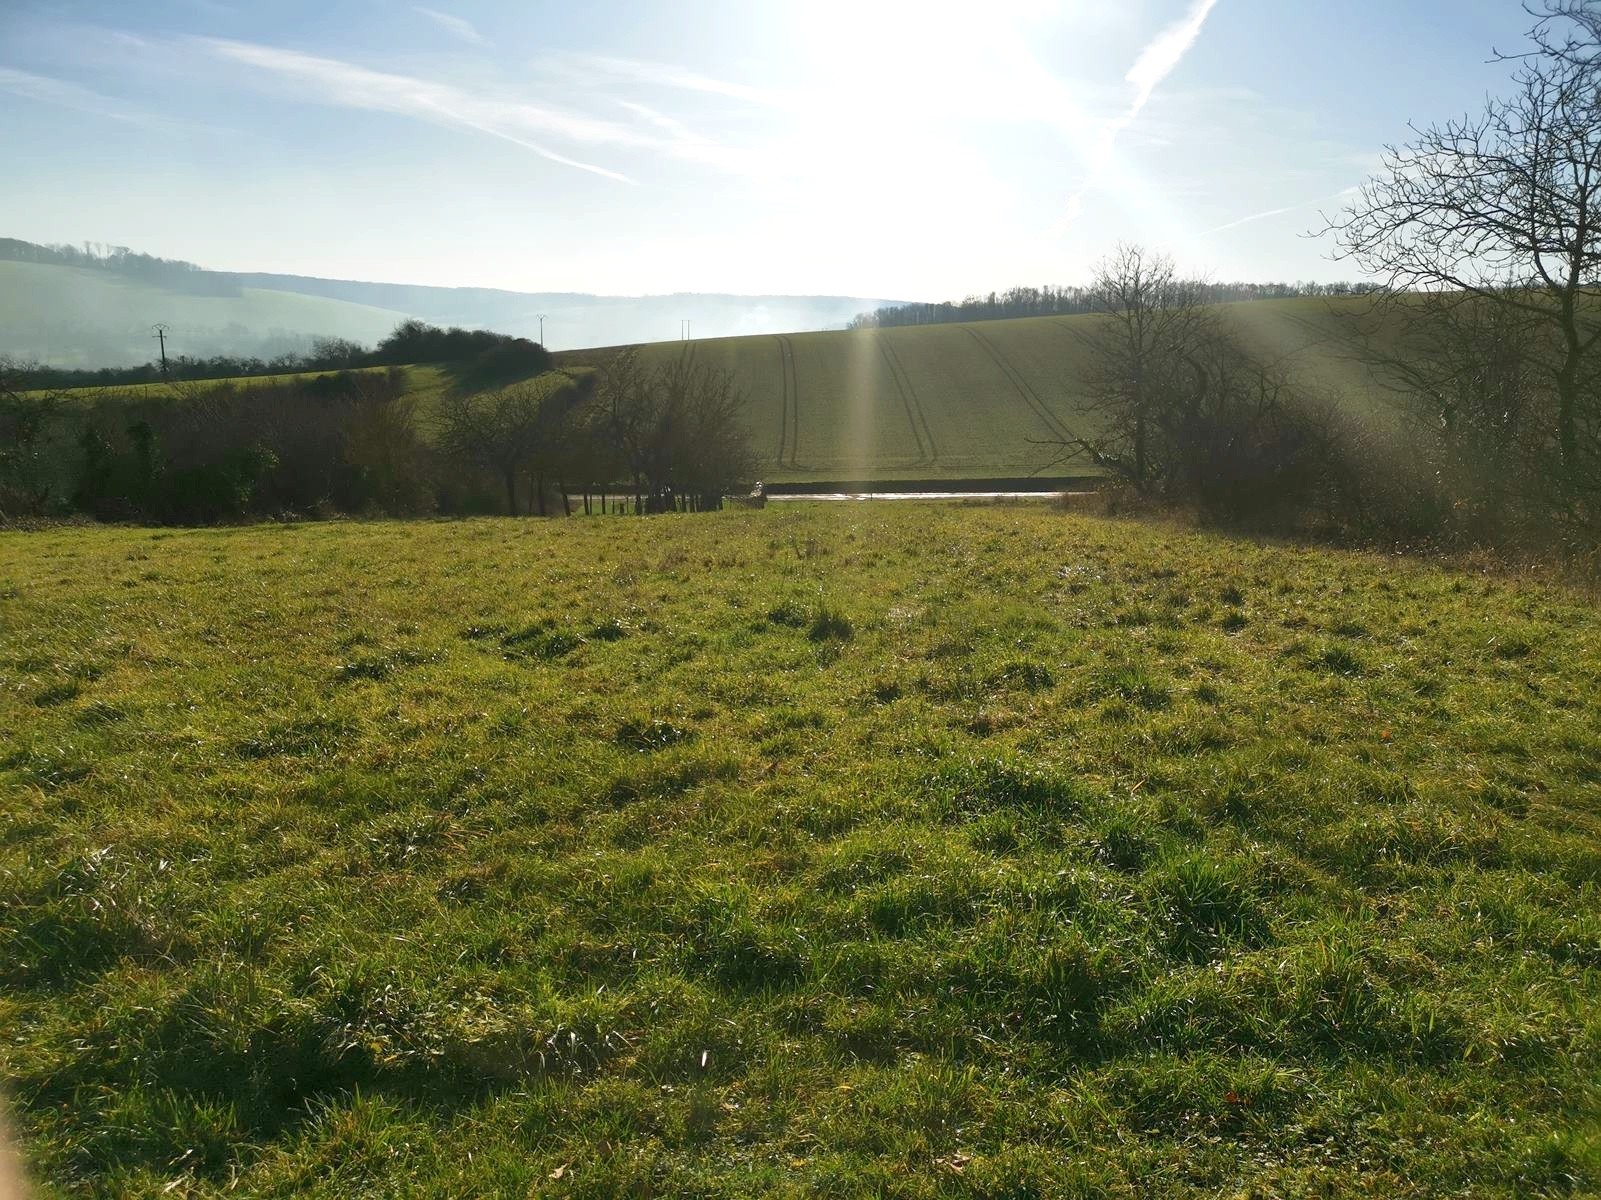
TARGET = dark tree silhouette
x,y
1178,411
1503,210
677,432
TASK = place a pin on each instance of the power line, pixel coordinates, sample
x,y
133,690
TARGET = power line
x,y
161,336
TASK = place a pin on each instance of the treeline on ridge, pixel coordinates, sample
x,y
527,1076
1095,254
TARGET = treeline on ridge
x,y
120,260
1054,300
619,438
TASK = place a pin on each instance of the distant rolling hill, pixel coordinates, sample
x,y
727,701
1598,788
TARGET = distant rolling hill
x,y
98,315
959,401
84,317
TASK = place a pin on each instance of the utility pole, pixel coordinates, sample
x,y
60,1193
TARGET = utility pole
x,y
161,337
541,317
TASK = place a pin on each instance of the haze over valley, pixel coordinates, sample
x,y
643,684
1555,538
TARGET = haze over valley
x,y
94,307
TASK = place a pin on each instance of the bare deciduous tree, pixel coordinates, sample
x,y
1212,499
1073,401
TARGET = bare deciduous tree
x,y
1503,209
1154,322
1181,410
678,431
513,432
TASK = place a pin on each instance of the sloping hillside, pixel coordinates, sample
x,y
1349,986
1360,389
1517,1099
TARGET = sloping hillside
x,y
959,401
66,308
938,402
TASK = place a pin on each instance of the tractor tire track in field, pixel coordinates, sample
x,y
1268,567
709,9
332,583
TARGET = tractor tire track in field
x,y
783,398
926,450
789,431
1024,389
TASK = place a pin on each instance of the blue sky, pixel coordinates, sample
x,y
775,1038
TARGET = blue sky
x,y
873,148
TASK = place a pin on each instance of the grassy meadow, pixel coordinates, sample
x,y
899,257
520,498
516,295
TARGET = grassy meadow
x,y
821,850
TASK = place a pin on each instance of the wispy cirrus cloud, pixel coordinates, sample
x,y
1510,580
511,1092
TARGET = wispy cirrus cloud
x,y
522,122
455,26
667,75
66,94
1155,63
660,120
332,81
1278,212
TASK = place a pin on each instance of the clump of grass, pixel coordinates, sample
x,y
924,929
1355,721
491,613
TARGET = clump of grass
x,y
99,713
1029,676
885,691
48,767
1337,659
377,668
313,735
979,785
1125,840
1513,647
1135,684
1205,904
540,642
789,613
651,735
741,952
830,624
59,693
671,777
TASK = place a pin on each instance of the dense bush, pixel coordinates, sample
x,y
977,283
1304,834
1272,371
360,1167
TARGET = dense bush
x,y
346,443
419,342
354,442
29,472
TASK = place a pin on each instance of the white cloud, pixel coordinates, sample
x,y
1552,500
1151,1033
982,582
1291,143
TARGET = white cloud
x,y
1155,63
669,76
456,26
350,86
660,120
522,122
1276,212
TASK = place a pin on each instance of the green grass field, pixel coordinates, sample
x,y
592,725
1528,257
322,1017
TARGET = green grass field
x,y
821,850
427,383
